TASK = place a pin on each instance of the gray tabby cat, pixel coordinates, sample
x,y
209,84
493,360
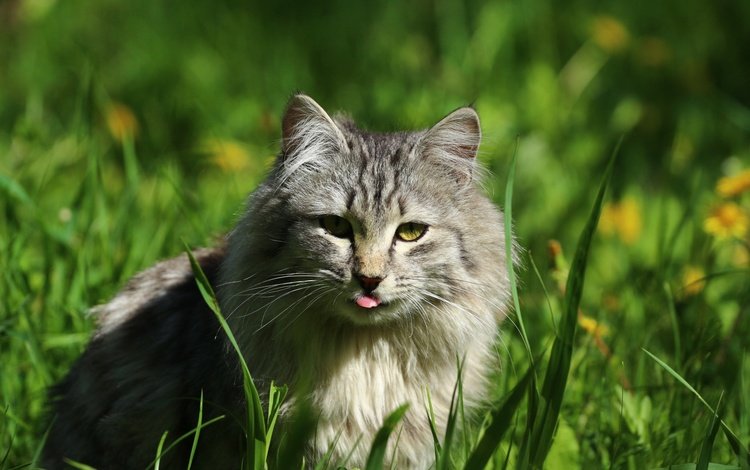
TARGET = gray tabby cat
x,y
363,267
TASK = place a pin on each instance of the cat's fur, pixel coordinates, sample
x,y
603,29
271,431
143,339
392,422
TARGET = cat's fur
x,y
288,289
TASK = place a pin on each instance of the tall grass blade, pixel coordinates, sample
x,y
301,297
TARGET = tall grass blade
x,y
275,398
256,429
292,448
737,447
380,443
174,443
78,465
433,428
39,448
197,432
159,453
704,458
508,214
443,461
501,417
556,376
675,322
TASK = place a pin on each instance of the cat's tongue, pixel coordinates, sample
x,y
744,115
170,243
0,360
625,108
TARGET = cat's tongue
x,y
367,301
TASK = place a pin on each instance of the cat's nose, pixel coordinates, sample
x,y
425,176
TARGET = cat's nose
x,y
369,284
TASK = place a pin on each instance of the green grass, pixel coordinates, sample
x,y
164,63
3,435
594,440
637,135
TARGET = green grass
x,y
83,210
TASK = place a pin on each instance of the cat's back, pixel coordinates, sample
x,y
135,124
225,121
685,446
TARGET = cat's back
x,y
156,349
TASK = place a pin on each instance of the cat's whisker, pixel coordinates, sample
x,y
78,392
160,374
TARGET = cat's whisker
x,y
293,305
267,306
309,304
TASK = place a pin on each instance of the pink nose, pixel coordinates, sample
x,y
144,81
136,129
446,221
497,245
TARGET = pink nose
x,y
369,284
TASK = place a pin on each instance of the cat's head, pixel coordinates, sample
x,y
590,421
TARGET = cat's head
x,y
373,227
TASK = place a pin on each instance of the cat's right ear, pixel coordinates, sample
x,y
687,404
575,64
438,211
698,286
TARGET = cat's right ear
x,y
307,129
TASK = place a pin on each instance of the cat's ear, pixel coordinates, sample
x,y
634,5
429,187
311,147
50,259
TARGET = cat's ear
x,y
307,127
454,141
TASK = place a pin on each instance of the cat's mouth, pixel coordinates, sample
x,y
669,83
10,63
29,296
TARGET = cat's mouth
x,y
367,301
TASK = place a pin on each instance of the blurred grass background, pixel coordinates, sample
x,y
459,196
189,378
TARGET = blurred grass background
x,y
128,126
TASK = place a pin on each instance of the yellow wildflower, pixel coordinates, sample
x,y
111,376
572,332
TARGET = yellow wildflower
x,y
121,121
734,185
609,33
622,219
727,220
227,154
693,280
591,326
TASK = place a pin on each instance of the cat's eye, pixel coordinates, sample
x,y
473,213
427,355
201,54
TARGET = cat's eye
x,y
411,231
336,226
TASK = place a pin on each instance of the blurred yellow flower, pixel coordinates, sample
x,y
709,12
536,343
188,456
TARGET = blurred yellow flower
x,y
227,154
121,121
592,326
734,185
622,219
727,220
609,33
693,280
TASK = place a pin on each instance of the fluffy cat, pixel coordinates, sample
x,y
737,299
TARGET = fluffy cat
x,y
363,267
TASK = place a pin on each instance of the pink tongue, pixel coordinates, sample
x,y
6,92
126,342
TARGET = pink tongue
x,y
367,302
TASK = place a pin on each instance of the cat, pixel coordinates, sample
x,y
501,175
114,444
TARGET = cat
x,y
363,268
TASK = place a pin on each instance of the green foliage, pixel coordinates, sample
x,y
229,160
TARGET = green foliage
x,y
119,139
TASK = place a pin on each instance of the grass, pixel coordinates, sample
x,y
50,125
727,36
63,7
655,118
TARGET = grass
x,y
114,154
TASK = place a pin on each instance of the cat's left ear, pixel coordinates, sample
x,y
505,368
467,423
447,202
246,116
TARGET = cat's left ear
x,y
307,128
455,140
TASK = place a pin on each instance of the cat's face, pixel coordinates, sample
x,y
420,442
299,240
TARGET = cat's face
x,y
383,241
377,229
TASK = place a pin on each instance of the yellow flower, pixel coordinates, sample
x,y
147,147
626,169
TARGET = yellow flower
x,y
121,121
693,280
592,326
608,218
727,220
734,185
227,154
609,33
622,219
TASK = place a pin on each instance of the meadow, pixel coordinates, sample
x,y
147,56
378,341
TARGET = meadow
x,y
128,129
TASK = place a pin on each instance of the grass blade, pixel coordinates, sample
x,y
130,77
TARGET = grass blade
x,y
737,447
443,461
704,458
275,398
433,427
292,447
508,214
78,465
556,376
501,417
379,444
256,429
171,446
159,453
197,432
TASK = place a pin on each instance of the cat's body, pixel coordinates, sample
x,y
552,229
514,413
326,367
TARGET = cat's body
x,y
365,266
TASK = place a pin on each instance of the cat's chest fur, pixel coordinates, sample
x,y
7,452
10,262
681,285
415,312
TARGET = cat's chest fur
x,y
356,377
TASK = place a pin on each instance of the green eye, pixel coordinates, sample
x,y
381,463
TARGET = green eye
x,y
336,226
410,231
